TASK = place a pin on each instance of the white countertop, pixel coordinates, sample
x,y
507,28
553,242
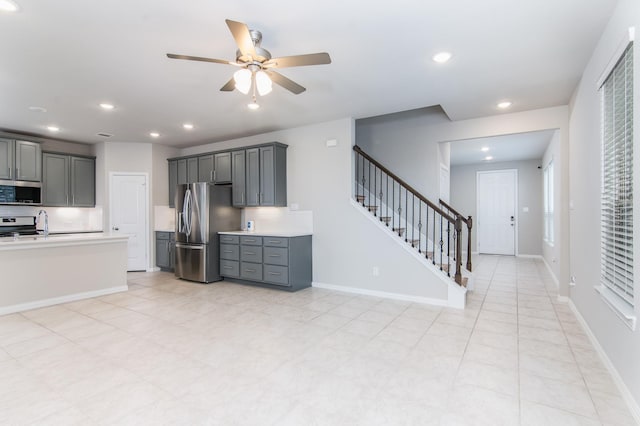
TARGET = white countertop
x,y
59,240
165,230
286,234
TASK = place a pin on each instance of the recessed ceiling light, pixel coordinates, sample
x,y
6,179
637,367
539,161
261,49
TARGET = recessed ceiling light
x,y
484,149
53,128
504,105
488,158
8,6
253,105
441,57
154,134
188,126
107,106
37,109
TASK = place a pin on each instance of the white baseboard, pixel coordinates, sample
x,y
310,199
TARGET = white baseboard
x,y
622,387
383,294
62,299
529,256
154,269
553,276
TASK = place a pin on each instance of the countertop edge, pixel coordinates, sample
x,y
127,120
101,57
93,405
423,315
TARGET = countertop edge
x,y
62,241
266,234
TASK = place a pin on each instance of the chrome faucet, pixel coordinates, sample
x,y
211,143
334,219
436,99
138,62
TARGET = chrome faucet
x,y
46,221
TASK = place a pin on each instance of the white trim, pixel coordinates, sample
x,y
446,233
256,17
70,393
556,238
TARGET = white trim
x,y
147,208
617,54
553,276
154,269
632,404
528,256
383,294
620,308
62,299
515,208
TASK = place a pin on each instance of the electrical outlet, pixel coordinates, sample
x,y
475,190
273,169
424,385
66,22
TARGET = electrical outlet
x,y
376,271
572,282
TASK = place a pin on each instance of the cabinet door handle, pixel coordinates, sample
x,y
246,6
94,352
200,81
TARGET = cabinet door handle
x,y
10,176
275,273
250,241
214,176
249,270
17,173
228,267
274,255
228,251
250,253
274,242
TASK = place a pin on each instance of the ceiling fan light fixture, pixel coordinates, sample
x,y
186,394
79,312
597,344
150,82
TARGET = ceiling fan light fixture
x,y
253,105
243,80
442,57
8,6
263,82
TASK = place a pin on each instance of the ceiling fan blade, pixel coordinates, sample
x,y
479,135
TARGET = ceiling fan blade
x,y
298,60
198,58
231,84
242,36
283,81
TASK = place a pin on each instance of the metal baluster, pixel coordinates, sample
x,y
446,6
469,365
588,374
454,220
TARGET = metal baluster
x,y
441,243
393,207
357,174
433,240
413,218
363,181
387,214
420,227
406,215
375,183
426,234
448,251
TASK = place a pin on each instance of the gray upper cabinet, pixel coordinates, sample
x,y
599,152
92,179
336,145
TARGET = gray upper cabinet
x,y
205,168
68,180
55,172
253,177
222,169
238,178
192,170
263,179
83,182
20,160
215,168
173,181
182,171
6,159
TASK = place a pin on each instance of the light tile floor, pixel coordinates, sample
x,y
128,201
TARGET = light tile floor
x,y
169,352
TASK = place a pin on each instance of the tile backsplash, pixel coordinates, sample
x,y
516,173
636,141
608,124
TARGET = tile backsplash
x,y
278,219
61,219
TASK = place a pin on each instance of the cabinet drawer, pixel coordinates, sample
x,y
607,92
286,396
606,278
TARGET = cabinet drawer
x,y
251,271
229,239
251,254
229,268
276,256
251,241
276,274
161,235
229,252
276,241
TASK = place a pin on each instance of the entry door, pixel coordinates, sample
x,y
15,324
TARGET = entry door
x,y
496,195
128,215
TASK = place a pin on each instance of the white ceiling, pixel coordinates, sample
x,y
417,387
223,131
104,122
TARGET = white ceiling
x,y
516,147
69,55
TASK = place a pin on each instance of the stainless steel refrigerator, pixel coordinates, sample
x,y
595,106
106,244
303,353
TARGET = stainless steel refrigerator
x,y
202,210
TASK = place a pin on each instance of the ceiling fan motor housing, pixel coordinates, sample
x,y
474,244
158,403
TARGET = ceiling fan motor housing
x,y
262,55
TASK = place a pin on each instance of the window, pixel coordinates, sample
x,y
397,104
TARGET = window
x,y
616,226
548,203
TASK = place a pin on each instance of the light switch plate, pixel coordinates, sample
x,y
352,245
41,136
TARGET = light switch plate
x,y
332,142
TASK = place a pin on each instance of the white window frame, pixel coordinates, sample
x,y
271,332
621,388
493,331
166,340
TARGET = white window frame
x,y
548,204
616,214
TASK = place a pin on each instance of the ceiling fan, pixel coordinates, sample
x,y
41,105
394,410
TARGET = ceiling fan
x,y
256,64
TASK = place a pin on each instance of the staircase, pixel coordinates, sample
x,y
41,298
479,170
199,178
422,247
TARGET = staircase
x,y
434,231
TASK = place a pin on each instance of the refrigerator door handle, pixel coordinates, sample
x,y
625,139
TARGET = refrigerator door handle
x,y
186,210
190,247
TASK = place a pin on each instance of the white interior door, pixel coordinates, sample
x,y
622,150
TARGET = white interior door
x,y
496,198
128,215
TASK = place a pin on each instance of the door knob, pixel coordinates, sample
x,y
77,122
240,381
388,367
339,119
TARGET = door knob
x,y
115,228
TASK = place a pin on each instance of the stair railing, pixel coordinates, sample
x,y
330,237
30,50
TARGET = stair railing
x,y
404,209
468,221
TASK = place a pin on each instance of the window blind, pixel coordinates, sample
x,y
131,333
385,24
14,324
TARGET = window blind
x,y
617,179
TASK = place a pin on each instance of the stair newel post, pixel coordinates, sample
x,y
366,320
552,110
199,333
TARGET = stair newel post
x,y
458,276
469,226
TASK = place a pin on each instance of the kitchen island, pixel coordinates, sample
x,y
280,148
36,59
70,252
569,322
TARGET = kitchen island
x,y
40,271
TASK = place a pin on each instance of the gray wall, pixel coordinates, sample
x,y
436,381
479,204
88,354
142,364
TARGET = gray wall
x,y
621,344
464,198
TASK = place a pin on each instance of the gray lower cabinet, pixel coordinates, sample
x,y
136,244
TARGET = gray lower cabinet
x,y
284,262
68,180
165,250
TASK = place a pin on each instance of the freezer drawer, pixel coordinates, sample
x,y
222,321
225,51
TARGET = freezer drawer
x,y
191,262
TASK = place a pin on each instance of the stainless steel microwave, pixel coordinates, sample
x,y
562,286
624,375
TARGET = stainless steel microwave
x,y
20,193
